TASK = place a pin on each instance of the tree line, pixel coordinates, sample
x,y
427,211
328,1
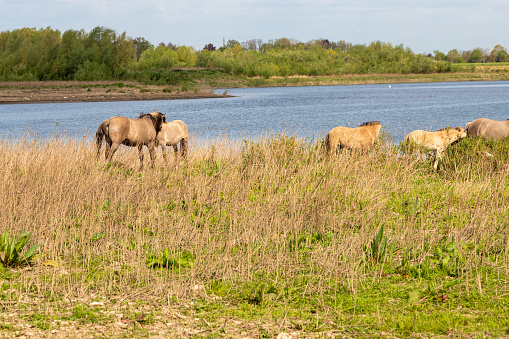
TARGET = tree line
x,y
30,54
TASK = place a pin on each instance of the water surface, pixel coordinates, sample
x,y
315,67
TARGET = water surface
x,y
303,111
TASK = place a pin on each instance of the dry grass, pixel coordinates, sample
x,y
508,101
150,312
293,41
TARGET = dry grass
x,y
273,224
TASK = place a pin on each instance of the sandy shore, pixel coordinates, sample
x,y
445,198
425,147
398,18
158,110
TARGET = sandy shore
x,y
74,91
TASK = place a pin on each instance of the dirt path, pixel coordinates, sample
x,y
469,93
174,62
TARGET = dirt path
x,y
74,91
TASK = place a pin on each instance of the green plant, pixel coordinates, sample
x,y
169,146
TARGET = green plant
x,y
10,249
410,208
166,261
379,246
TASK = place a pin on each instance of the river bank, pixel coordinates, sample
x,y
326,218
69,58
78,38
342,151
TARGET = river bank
x,y
197,87
93,91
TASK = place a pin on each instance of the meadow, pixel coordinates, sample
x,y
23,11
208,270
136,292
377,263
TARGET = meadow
x,y
256,238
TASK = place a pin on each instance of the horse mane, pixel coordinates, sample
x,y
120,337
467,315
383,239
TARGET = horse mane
x,y
449,128
371,123
158,122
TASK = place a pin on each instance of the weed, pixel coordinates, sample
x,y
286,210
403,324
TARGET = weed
x,y
166,261
379,247
10,249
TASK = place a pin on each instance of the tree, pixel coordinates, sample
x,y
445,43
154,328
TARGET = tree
x,y
453,56
140,46
476,56
495,53
326,44
503,56
439,55
232,43
210,47
282,43
342,45
252,45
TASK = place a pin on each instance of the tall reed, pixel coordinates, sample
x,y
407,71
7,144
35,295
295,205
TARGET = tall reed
x,y
276,211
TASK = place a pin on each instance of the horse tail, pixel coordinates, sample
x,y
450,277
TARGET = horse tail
x,y
183,147
184,142
467,126
327,143
102,130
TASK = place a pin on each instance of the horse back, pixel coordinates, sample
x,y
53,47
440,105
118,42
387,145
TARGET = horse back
x,y
172,132
488,128
183,128
131,132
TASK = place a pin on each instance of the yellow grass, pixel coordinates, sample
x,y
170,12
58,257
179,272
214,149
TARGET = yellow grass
x,y
272,211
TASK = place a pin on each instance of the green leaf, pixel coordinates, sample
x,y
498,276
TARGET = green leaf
x,y
30,253
22,241
4,239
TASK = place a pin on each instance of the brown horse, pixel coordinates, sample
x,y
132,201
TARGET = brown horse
x,y
172,133
135,133
488,128
436,141
359,138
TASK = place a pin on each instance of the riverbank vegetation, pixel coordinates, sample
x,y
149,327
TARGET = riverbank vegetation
x,y
103,54
257,237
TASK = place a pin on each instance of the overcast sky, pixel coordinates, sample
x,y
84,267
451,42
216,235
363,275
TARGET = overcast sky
x,y
423,26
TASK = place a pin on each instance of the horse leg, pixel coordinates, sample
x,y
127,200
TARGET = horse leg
x,y
99,145
107,150
152,152
183,147
165,156
140,152
111,148
438,157
175,149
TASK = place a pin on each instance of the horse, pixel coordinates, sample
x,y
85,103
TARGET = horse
x,y
172,133
130,132
359,138
436,141
488,128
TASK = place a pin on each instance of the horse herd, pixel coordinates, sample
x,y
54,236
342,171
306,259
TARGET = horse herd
x,y
152,130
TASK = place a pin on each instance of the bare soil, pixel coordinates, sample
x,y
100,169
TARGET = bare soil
x,y
98,91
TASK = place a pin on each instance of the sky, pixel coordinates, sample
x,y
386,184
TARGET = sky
x,y
423,26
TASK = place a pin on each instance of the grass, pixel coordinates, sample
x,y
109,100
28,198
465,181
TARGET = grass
x,y
195,79
257,237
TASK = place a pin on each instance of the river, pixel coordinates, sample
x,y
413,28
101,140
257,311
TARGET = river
x,y
306,112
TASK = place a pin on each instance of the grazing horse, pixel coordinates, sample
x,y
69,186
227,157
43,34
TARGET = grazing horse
x,y
359,138
130,132
172,133
488,128
436,141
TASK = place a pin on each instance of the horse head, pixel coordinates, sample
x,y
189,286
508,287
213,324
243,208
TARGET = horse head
x,y
157,119
160,119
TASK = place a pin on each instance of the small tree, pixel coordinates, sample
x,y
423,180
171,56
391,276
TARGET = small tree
x,y
439,55
495,53
232,43
453,56
210,47
140,46
503,56
476,56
